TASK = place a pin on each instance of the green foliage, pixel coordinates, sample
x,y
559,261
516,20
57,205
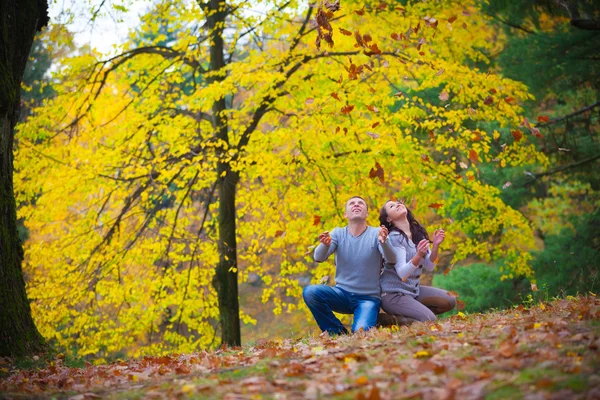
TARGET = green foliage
x,y
569,263
480,287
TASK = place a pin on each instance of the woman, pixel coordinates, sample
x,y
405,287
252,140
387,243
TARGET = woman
x,y
401,293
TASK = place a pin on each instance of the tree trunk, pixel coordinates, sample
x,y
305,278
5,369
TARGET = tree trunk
x,y
19,21
225,280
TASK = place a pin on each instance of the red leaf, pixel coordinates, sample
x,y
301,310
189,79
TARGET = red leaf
x,y
347,109
395,36
543,118
335,96
375,124
382,6
360,12
509,100
316,220
488,101
377,172
517,134
493,91
367,38
435,205
279,233
473,156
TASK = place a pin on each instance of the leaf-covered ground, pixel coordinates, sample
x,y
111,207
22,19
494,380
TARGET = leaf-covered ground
x,y
547,351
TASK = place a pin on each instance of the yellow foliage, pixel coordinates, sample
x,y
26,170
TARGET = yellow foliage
x,y
117,186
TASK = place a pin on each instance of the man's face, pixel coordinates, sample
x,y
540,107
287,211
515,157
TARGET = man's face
x,y
356,209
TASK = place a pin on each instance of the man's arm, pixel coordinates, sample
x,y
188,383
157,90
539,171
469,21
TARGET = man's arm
x,y
326,247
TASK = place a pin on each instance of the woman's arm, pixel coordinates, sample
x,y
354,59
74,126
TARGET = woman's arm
x,y
404,269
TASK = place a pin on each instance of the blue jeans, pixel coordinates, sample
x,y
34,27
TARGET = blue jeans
x,y
323,300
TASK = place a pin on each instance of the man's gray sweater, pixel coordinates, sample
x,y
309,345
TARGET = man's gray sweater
x,y
358,260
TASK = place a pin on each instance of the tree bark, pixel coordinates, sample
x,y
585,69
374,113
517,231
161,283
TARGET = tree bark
x,y
225,280
19,21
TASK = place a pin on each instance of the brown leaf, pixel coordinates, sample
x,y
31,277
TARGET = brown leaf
x,y
493,91
441,71
534,287
452,18
358,38
517,134
543,118
507,348
382,6
373,109
335,96
332,7
473,156
425,158
509,100
360,12
377,172
432,136
366,38
435,205
279,233
347,109
536,132
451,293
488,101
345,32
316,220
398,94
310,100
460,305
395,36
375,124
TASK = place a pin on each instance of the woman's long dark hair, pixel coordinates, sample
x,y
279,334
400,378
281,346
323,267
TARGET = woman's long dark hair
x,y
417,232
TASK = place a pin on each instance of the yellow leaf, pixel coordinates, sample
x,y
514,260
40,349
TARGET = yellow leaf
x,y
422,354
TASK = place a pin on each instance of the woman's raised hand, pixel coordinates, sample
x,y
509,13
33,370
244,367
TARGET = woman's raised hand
x,y
438,236
383,234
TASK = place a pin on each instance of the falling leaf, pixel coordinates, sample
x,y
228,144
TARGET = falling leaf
x,y
452,18
517,134
493,91
473,156
536,132
347,109
425,158
316,220
444,96
465,13
398,94
375,124
310,100
471,112
324,280
509,100
507,184
373,135
563,149
534,287
360,12
488,101
435,205
335,6
543,118
279,233
441,71
335,96
382,6
463,165
373,109
432,136
460,305
377,172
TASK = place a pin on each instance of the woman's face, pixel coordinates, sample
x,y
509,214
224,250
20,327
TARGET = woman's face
x,y
395,210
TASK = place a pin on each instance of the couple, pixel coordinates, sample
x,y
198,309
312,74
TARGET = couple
x,y
401,245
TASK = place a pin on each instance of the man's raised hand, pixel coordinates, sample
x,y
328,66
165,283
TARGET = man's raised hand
x,y
383,234
325,238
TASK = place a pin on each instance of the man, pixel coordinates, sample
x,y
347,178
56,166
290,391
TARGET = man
x,y
358,252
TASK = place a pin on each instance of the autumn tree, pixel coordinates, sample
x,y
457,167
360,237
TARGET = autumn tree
x,y
175,169
19,22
